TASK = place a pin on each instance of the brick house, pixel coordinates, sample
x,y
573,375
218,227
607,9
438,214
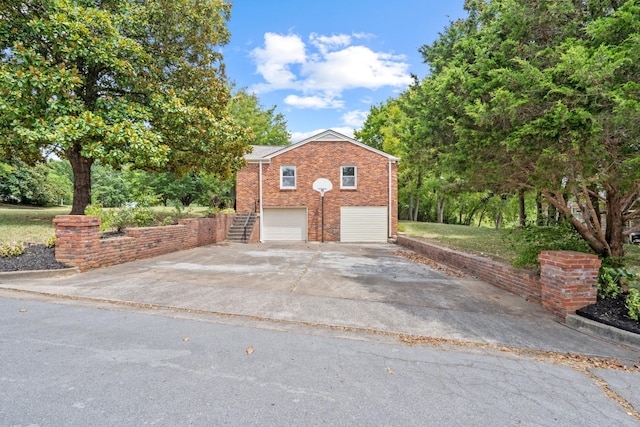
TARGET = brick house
x,y
277,183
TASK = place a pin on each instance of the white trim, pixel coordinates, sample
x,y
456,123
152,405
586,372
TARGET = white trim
x,y
355,177
390,208
261,211
282,177
329,136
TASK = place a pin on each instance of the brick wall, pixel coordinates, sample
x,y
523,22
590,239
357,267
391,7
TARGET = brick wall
x,y
78,240
321,159
567,280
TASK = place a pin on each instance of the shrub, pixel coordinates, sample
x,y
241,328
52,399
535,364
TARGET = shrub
x,y
633,304
9,250
609,283
167,221
529,241
50,242
136,216
401,228
106,216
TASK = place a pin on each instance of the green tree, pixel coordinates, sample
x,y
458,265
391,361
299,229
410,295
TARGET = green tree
x,y
119,82
26,184
61,177
109,186
267,126
542,95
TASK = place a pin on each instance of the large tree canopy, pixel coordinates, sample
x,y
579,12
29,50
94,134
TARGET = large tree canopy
x,y
542,95
119,81
267,126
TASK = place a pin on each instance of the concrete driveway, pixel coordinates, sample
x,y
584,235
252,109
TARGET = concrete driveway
x,y
351,286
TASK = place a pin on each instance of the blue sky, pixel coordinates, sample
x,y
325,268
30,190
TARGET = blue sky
x,y
325,63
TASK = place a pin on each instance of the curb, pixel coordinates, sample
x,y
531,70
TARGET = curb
x,y
601,330
37,274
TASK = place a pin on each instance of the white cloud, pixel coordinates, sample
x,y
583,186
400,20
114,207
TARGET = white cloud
x,y
314,102
325,67
355,118
274,60
328,43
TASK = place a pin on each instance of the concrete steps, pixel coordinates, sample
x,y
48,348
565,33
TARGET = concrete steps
x,y
239,232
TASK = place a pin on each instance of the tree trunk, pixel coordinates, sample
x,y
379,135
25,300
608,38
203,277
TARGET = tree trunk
x,y
615,223
81,167
522,213
415,211
410,206
539,213
440,202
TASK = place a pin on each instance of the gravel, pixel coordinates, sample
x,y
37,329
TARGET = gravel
x,y
35,257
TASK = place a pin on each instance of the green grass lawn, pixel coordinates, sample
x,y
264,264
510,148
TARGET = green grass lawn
x,y
34,225
26,224
485,241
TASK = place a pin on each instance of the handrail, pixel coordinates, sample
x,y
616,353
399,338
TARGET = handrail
x,y
246,222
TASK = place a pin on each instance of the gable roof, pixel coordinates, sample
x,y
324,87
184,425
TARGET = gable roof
x,y
267,152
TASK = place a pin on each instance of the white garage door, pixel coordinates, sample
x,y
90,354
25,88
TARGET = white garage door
x,y
285,224
363,224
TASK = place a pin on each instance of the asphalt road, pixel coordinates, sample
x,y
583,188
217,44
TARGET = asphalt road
x,y
76,363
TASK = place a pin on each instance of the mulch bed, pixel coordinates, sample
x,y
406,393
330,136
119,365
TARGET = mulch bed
x,y
35,257
612,312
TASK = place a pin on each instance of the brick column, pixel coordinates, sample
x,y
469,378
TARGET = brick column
x,y
568,280
78,240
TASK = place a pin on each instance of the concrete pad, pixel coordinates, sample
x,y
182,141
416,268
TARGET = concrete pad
x,y
366,286
623,383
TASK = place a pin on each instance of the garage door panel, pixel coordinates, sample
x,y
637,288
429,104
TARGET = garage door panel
x,y
285,224
363,224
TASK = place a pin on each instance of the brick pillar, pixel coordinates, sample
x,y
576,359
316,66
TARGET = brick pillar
x,y
568,280
78,240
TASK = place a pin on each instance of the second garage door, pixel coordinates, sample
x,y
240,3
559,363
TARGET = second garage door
x,y
363,224
285,224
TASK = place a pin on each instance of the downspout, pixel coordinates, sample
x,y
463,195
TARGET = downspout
x,y
261,211
389,214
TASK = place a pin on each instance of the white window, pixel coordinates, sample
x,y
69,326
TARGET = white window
x,y
348,177
288,177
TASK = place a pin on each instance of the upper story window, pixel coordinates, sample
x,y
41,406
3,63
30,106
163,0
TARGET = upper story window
x,y
288,177
348,177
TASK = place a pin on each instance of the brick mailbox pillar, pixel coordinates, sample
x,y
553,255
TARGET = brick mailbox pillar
x,y
568,280
78,240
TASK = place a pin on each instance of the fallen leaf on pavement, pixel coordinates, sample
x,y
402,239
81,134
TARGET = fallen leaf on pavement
x,y
249,350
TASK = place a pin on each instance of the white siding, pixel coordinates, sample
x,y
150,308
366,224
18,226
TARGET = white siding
x,y
282,224
363,224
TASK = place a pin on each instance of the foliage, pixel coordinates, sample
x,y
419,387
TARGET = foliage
x,y
120,82
108,187
530,240
106,216
537,96
267,126
9,250
50,242
21,183
633,304
609,282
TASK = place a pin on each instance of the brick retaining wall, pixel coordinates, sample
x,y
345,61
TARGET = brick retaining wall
x,y
567,280
78,240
